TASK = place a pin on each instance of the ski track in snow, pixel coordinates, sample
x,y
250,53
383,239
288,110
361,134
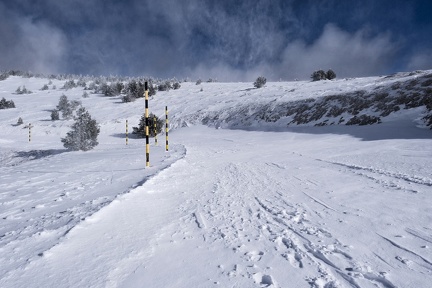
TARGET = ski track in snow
x,y
253,226
390,179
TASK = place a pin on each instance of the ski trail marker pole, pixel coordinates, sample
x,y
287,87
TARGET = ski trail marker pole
x,y
147,125
166,128
127,140
155,129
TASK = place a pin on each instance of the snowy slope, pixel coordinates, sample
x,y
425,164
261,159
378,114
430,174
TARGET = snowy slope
x,y
264,205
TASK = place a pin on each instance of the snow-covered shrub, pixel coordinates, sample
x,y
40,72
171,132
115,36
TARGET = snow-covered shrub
x,y
260,82
85,95
176,85
113,89
4,76
330,75
153,131
319,75
136,89
69,85
106,90
75,104
45,87
92,86
6,104
132,88
81,82
67,107
128,98
67,113
20,121
23,91
164,86
64,107
117,87
55,115
198,82
84,133
63,102
152,89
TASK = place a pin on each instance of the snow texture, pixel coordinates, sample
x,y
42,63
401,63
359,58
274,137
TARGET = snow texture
x,y
260,188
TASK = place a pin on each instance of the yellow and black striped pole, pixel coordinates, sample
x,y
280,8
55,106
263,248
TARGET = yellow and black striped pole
x,y
127,139
147,125
155,129
166,128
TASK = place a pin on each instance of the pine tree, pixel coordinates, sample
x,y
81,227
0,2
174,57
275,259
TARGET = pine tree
x,y
69,85
55,115
152,89
166,86
260,82
67,108
84,133
319,75
132,89
5,104
63,103
176,85
153,131
330,74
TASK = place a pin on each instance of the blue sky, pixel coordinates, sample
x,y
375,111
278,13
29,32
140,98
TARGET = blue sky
x,y
231,40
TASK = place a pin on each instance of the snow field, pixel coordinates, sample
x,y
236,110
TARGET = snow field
x,y
257,220
304,207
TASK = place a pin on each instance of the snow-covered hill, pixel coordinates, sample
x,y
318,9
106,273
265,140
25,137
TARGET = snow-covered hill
x,y
284,195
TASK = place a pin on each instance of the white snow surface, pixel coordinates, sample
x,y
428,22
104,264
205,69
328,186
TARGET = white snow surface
x,y
263,205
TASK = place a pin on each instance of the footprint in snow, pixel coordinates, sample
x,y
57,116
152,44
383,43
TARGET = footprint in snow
x,y
264,280
294,259
404,261
254,256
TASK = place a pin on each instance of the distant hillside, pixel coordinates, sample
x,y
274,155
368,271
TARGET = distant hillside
x,y
356,107
353,101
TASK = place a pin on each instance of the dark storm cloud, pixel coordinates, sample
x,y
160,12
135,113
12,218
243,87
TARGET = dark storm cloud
x,y
26,44
228,40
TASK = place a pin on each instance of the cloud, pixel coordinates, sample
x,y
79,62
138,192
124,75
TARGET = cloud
x,y
420,61
42,47
228,40
30,45
225,40
347,54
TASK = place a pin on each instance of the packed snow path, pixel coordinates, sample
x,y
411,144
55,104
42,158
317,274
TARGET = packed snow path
x,y
258,209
